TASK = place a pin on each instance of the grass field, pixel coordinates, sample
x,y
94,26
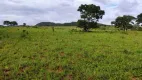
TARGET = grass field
x,y
66,54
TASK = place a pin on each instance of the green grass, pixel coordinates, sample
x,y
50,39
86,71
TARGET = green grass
x,y
66,54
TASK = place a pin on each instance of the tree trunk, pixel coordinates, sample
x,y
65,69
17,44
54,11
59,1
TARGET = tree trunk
x,y
125,28
53,28
85,29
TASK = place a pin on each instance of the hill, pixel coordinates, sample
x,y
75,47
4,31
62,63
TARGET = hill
x,y
62,24
56,24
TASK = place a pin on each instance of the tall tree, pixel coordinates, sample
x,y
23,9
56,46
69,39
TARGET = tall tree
x,y
124,22
13,23
139,18
90,15
24,24
6,23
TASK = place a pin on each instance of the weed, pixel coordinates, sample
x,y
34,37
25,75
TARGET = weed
x,y
24,34
69,54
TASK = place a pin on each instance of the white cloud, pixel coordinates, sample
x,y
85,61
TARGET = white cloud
x,y
34,11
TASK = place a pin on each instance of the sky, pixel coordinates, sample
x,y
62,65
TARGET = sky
x,y
60,11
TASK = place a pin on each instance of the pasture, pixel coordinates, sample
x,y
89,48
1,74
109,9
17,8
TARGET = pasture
x,y
69,54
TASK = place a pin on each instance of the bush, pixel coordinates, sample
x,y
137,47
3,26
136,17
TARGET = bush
x,y
35,26
103,28
74,30
139,28
24,34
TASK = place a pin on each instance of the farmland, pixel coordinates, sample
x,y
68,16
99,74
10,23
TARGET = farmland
x,y
70,54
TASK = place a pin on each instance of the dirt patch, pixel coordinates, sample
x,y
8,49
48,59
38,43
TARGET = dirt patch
x,y
6,71
68,77
58,70
135,78
62,54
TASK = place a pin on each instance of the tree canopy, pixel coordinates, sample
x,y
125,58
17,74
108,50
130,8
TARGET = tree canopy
x,y
112,22
139,18
10,23
24,24
90,15
124,22
6,23
13,23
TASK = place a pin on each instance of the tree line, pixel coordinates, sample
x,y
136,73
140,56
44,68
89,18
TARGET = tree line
x,y
90,15
56,24
10,23
127,22
60,24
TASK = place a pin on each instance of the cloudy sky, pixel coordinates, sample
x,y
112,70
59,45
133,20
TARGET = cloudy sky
x,y
35,11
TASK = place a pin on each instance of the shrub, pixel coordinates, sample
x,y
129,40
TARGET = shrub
x,y
103,28
35,26
139,28
74,30
24,34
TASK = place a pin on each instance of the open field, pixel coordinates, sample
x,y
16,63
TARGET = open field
x,y
66,54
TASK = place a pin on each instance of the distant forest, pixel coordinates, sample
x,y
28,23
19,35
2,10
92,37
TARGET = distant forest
x,y
60,24
56,24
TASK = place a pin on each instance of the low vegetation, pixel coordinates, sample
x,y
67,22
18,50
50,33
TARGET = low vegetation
x,y
70,54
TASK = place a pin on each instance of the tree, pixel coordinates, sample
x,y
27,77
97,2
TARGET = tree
x,y
24,24
6,23
139,19
13,23
90,15
124,22
113,23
